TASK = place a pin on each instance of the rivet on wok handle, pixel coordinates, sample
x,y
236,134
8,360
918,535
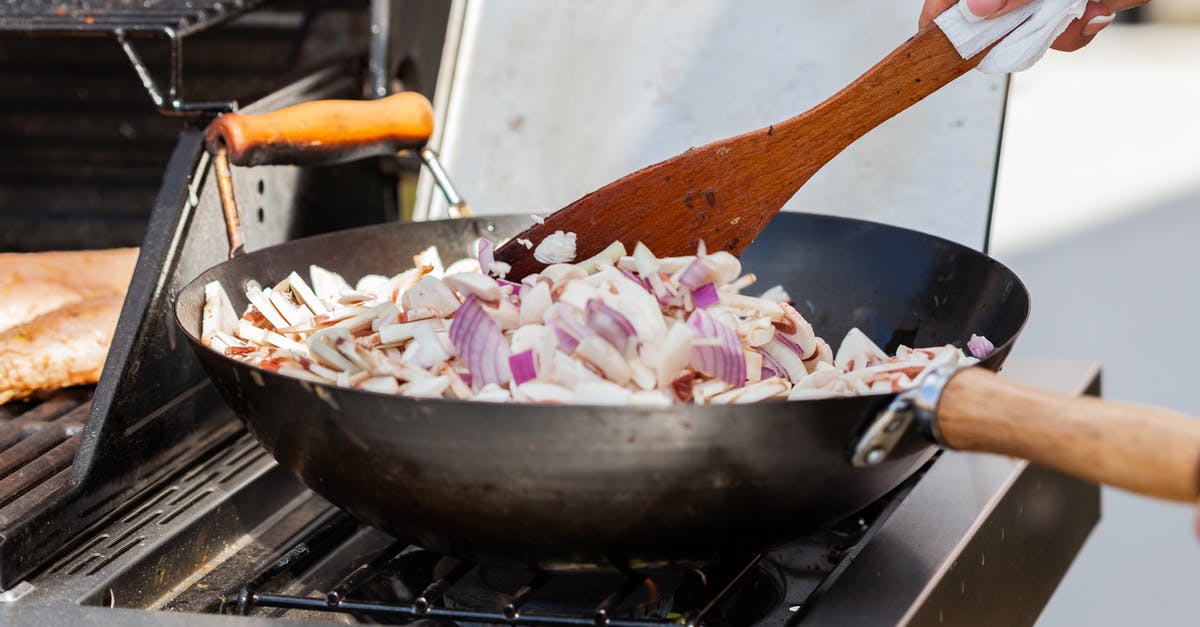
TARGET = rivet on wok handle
x,y
918,404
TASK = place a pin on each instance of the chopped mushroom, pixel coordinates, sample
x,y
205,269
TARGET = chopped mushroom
x,y
616,329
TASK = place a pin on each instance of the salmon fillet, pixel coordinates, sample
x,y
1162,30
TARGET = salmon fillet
x,y
61,348
32,284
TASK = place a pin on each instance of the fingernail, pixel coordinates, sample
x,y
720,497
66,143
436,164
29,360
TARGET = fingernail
x,y
982,9
1097,24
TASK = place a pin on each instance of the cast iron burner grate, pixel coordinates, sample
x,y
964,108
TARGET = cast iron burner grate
x,y
397,583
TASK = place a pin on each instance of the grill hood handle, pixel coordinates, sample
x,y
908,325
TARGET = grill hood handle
x,y
324,131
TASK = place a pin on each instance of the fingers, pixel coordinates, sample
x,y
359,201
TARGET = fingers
x,y
980,8
1080,32
1097,16
932,9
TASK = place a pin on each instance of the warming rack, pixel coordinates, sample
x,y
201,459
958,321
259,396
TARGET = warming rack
x,y
124,20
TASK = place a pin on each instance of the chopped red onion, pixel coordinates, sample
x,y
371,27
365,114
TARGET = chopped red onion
x,y
522,367
696,274
980,346
612,326
516,287
480,344
768,373
637,279
792,346
705,296
483,252
671,298
726,361
770,363
567,327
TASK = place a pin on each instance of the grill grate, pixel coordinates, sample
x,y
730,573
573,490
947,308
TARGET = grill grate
x,y
37,445
168,20
81,16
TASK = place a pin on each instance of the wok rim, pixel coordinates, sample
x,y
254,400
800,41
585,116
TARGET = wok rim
x,y
993,362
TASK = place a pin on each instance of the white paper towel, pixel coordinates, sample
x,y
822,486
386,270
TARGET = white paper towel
x,y
1033,28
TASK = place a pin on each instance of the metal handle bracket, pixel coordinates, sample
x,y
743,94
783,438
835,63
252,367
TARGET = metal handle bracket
x,y
915,405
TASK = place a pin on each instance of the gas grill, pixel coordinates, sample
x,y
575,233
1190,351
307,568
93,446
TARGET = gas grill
x,y
144,497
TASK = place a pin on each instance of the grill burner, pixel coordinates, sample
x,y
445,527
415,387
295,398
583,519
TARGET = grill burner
x,y
393,582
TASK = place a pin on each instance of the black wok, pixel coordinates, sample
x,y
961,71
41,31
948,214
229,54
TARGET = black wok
x,y
570,486
562,487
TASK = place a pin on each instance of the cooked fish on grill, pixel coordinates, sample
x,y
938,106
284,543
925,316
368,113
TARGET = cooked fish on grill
x,y
32,284
57,349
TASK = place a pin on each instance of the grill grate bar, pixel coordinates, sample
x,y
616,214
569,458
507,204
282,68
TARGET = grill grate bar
x,y
26,503
181,16
37,447
38,470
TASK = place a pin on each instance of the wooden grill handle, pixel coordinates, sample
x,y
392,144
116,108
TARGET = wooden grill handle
x,y
1148,450
324,131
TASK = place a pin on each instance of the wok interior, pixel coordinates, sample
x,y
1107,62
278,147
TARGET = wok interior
x,y
565,487
898,286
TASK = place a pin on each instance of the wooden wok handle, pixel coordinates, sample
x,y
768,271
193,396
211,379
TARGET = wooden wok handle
x,y
1148,450
324,131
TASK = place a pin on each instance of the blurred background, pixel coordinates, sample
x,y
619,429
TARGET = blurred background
x,y
1097,209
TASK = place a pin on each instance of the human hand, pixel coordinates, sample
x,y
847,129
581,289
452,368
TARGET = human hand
x,y
1078,34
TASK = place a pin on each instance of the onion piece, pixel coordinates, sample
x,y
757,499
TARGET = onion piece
x,y
613,327
485,255
980,346
522,367
607,257
516,287
675,353
637,279
558,247
695,274
603,356
726,361
480,344
705,296
792,346
776,294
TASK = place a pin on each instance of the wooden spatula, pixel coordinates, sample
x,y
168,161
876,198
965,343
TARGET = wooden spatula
x,y
726,192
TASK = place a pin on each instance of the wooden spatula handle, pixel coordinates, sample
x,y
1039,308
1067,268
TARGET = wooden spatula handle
x,y
1147,450
324,131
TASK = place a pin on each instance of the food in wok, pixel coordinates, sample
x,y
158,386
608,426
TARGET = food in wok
x,y
618,328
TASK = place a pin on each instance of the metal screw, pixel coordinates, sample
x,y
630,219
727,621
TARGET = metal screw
x,y
876,455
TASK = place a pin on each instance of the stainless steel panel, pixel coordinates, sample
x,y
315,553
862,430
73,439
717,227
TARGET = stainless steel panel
x,y
541,101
